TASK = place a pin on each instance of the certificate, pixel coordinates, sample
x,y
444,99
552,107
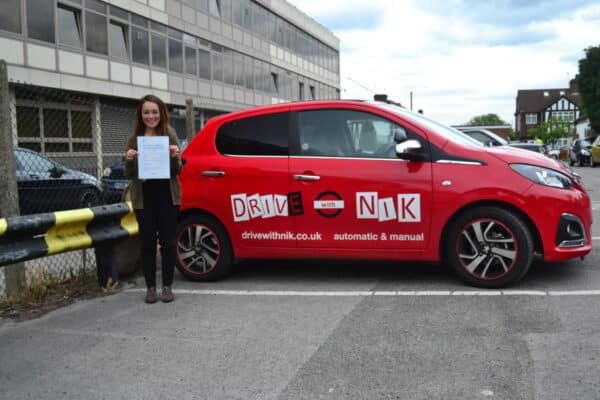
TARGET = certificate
x,y
153,157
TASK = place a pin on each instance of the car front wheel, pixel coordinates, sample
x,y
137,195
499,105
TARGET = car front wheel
x,y
203,248
490,247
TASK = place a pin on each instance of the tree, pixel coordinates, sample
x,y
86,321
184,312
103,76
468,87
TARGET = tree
x,y
486,119
552,130
588,83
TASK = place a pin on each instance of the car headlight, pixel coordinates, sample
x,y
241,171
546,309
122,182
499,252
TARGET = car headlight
x,y
543,176
585,153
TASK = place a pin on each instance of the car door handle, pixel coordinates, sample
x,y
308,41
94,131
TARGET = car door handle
x,y
308,178
213,173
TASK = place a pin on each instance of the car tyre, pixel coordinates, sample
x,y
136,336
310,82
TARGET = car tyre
x,y
204,251
490,247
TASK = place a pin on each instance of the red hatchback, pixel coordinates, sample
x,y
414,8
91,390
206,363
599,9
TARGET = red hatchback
x,y
371,180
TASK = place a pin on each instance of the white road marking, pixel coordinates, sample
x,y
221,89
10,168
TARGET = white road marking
x,y
595,237
388,293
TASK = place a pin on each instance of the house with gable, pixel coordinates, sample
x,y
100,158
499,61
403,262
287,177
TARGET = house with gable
x,y
535,106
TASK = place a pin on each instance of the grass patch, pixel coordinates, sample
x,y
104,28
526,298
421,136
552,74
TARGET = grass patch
x,y
45,294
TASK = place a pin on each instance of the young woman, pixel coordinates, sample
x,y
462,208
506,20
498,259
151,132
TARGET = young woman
x,y
155,201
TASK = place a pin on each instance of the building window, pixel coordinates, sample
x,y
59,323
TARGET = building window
x,y
69,26
202,5
226,10
10,16
215,8
40,20
274,83
228,77
248,67
118,38
95,33
119,13
28,123
531,119
567,116
217,67
158,27
139,45
238,66
238,13
175,56
159,51
96,5
312,92
64,128
139,20
204,63
247,13
300,91
191,66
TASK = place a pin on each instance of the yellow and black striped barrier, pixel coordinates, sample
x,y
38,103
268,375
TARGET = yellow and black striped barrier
x,y
32,236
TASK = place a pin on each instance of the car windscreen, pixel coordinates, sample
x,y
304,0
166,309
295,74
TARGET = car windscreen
x,y
449,133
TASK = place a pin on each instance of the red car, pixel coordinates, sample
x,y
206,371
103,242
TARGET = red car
x,y
371,180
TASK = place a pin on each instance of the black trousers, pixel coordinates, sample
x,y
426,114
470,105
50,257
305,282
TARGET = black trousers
x,y
157,220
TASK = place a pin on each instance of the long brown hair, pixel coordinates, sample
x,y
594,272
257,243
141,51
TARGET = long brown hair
x,y
163,128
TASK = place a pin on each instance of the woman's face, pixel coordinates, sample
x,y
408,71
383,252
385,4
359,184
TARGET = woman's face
x,y
150,114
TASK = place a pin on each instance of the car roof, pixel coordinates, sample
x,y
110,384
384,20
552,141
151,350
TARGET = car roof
x,y
288,106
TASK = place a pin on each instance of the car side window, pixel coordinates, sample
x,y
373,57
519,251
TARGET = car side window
x,y
346,133
480,137
31,162
263,135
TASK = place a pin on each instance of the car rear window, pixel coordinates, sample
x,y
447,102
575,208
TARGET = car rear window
x,y
263,135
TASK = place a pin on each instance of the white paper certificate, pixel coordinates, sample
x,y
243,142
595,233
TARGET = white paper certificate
x,y
153,157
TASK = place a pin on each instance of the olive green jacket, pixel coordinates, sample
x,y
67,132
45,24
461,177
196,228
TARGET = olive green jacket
x,y
135,187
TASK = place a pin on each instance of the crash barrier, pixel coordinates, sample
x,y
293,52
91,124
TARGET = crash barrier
x,y
38,235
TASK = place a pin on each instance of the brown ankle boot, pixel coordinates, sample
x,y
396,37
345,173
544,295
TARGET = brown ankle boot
x,y
167,295
151,296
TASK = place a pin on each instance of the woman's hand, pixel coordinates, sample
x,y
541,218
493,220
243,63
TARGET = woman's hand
x,y
174,150
131,154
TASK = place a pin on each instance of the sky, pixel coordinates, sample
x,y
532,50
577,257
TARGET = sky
x,y
459,58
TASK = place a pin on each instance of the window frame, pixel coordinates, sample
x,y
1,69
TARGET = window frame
x,y
78,25
18,19
531,118
252,121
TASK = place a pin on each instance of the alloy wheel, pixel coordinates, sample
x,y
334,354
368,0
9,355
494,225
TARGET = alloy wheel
x,y
487,249
198,249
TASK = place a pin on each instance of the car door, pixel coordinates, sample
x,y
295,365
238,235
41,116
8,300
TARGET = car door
x,y
356,192
246,180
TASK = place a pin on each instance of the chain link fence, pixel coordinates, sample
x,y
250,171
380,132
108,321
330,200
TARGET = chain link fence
x,y
68,153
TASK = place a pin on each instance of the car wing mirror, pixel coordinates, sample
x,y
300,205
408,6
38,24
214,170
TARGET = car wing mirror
x,y
56,172
410,150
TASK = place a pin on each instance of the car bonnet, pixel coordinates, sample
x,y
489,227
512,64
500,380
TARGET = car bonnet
x,y
515,155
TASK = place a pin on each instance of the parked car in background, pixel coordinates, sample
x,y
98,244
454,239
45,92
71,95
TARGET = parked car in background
x,y
488,138
595,152
580,152
537,147
45,185
114,182
371,180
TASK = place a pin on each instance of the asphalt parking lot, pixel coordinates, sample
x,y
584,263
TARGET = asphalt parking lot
x,y
323,330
